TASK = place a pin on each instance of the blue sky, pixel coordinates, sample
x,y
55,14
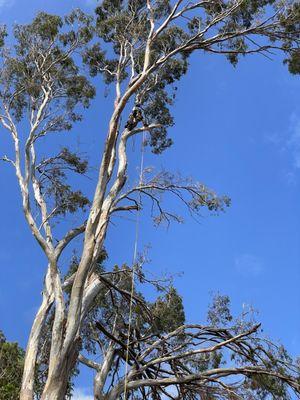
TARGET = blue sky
x,y
238,131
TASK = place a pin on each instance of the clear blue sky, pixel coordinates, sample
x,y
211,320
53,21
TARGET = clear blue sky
x,y
238,131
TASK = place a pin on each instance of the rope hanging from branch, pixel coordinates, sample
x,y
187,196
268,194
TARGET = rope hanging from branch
x,y
134,267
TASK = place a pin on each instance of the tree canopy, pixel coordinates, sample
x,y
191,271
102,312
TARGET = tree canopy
x,y
11,369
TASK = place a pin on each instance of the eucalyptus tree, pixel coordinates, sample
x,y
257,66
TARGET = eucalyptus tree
x,y
141,48
139,349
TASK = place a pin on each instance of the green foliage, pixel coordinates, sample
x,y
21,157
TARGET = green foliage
x,y
275,357
294,62
112,312
53,176
168,311
204,362
219,311
156,95
291,25
108,319
263,386
11,369
3,35
42,62
226,18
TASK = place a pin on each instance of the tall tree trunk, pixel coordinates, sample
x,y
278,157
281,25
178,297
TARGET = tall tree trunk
x,y
57,387
27,387
101,376
58,380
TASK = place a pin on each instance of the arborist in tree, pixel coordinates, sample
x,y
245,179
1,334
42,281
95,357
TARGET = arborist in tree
x,y
134,118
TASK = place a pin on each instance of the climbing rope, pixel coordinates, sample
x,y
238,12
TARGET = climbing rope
x,y
134,267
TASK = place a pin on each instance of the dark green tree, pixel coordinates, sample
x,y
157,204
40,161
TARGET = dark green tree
x,y
11,369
